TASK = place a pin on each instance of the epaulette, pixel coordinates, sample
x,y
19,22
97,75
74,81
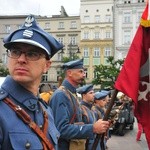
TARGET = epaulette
x,y
3,94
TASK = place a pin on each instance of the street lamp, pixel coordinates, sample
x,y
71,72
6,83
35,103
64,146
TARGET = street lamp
x,y
73,51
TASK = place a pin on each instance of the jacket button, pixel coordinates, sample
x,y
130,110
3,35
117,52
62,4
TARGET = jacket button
x,y
28,145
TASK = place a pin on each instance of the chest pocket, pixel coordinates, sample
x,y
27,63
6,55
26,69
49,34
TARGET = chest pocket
x,y
24,141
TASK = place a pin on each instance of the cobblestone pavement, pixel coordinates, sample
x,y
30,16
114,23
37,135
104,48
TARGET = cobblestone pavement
x,y
128,141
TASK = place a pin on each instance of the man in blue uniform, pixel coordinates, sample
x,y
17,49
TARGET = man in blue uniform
x,y
25,121
87,93
100,102
66,110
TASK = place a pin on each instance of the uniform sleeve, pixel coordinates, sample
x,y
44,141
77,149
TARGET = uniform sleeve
x,y
62,110
1,138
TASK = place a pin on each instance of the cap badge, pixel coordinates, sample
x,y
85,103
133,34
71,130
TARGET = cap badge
x,y
27,33
28,21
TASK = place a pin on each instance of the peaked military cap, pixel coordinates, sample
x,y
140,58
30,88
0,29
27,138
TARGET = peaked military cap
x,y
105,91
32,34
100,95
85,89
74,64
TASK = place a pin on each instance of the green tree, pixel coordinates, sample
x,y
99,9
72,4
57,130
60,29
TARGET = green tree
x,y
106,74
3,71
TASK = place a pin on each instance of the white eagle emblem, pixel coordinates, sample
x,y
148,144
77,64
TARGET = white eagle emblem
x,y
28,21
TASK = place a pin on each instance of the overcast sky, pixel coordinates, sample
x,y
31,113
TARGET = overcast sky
x,y
38,7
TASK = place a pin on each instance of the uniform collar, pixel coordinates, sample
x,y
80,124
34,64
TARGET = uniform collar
x,y
88,105
20,94
69,86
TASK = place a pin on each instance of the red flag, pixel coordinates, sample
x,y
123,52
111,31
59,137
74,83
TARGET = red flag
x,y
134,77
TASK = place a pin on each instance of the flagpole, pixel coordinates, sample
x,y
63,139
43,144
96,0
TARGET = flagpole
x,y
99,136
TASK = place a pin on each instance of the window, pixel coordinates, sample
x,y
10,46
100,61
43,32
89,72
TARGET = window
x,y
86,72
4,58
45,77
59,56
73,24
86,52
61,25
108,18
7,28
97,18
86,19
108,35
96,35
107,52
86,35
73,40
47,25
127,37
61,39
96,52
127,17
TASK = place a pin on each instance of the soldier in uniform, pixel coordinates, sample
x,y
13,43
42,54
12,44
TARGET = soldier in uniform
x,y
26,122
87,93
100,101
66,110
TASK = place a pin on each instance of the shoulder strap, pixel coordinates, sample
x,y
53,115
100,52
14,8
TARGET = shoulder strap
x,y
27,119
69,97
97,111
85,112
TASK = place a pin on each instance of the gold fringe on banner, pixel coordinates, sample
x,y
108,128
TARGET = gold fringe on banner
x,y
145,23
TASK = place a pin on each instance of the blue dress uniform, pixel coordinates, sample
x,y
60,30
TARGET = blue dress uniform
x,y
14,133
88,113
63,111
99,112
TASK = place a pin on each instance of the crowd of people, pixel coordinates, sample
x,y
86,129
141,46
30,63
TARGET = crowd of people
x,y
33,116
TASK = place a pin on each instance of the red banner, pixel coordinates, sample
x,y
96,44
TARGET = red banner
x,y
134,77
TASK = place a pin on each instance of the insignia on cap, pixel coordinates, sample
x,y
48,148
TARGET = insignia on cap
x,y
28,21
28,33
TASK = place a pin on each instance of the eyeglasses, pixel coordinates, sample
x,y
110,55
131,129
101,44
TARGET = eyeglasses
x,y
30,55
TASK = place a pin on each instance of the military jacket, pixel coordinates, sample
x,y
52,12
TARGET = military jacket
x,y
89,118
63,110
14,133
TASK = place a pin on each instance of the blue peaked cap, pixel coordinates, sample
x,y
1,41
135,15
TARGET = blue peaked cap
x,y
100,95
105,91
85,89
74,64
31,33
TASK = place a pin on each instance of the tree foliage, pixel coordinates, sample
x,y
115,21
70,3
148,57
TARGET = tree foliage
x,y
3,71
106,74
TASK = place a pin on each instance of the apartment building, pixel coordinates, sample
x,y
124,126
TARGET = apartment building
x,y
103,28
96,33
127,15
66,29
7,25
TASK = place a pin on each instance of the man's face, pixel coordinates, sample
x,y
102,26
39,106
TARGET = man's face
x,y
76,76
24,70
89,97
101,103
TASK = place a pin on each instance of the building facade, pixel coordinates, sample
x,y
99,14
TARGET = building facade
x,y
96,33
127,14
103,28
